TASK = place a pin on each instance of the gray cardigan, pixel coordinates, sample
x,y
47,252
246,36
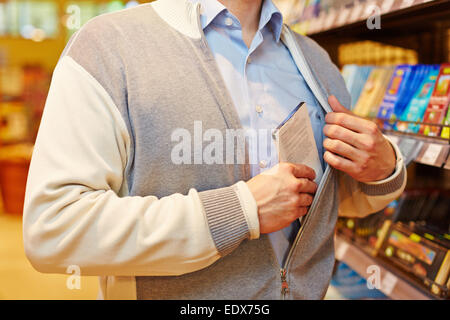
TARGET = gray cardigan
x,y
107,197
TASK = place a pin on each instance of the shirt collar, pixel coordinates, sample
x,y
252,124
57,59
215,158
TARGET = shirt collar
x,y
270,15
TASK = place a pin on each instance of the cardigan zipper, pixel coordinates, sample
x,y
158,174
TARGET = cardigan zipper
x,y
311,81
307,218
284,283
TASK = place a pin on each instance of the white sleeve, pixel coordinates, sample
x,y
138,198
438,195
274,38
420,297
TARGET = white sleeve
x,y
76,209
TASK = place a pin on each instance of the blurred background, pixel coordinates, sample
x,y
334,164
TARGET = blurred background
x,y
394,57
33,34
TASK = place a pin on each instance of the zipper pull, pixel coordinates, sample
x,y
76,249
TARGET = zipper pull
x,y
284,284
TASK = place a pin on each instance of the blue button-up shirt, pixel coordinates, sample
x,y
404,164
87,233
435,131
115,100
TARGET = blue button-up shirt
x,y
263,81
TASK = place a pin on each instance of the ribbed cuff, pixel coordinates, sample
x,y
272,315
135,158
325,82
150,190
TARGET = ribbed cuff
x,y
250,207
385,188
226,218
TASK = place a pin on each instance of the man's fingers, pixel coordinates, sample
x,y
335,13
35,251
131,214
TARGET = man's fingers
x,y
345,118
302,171
351,122
300,212
303,185
343,149
350,137
340,163
304,200
336,106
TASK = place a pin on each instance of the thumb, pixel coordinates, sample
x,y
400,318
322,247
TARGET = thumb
x,y
336,106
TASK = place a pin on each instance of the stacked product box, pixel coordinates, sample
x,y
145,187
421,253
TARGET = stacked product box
x,y
412,235
407,98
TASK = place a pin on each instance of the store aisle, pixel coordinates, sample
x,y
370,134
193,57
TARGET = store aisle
x,y
18,279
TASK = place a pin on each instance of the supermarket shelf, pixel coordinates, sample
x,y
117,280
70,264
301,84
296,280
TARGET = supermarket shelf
x,y
432,151
421,27
393,284
419,15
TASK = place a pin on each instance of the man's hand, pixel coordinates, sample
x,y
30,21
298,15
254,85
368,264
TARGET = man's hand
x,y
283,194
356,146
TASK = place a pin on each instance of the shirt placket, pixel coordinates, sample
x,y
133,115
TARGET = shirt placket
x,y
260,161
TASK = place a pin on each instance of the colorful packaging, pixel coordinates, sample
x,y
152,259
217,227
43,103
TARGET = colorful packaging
x,y
349,73
382,86
373,92
438,105
417,75
416,108
355,77
446,130
395,89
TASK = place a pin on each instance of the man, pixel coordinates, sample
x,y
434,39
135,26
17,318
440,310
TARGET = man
x,y
107,193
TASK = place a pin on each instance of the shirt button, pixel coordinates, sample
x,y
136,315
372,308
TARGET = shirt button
x,y
249,60
259,109
263,164
229,21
